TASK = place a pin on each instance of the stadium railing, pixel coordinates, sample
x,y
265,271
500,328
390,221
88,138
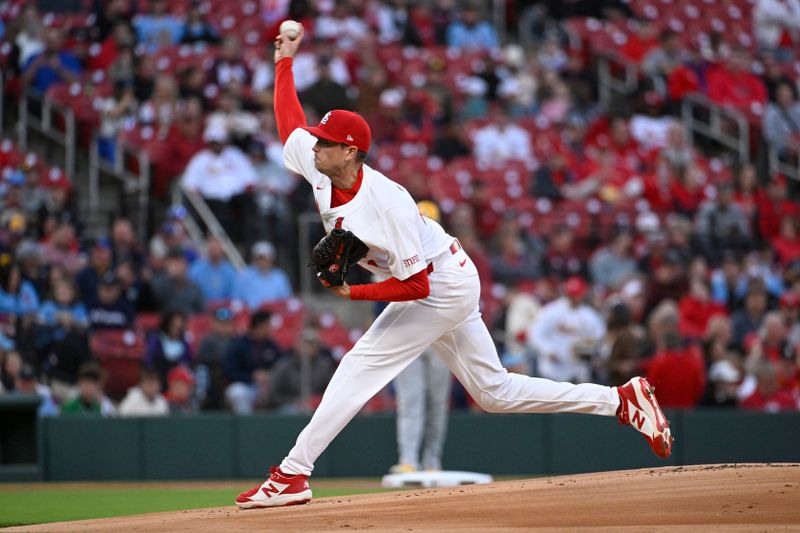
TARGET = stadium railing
x,y
45,117
727,126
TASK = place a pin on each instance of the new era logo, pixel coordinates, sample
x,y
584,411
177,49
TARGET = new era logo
x,y
349,138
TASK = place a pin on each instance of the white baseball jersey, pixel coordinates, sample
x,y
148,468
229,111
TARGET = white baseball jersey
x,y
383,215
401,243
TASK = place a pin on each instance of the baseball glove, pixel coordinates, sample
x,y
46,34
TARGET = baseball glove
x,y
334,255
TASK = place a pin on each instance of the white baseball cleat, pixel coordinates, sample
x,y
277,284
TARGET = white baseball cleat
x,y
277,491
639,409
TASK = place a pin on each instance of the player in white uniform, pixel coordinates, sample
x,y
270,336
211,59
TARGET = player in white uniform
x,y
434,290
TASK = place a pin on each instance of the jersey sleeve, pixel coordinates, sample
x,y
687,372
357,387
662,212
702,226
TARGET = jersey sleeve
x,y
298,156
404,245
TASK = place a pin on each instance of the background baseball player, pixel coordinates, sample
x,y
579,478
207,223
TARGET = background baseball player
x,y
423,400
433,288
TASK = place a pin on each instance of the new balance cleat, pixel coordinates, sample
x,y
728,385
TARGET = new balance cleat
x,y
277,491
639,408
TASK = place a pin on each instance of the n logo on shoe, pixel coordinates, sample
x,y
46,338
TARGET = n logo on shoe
x,y
637,419
270,489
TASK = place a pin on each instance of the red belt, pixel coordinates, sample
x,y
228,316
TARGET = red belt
x,y
454,248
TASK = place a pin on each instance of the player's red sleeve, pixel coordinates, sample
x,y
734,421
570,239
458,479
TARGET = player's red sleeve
x,y
394,290
288,111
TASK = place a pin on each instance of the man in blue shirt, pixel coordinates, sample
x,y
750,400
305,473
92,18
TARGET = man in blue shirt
x,y
471,31
159,28
52,65
214,273
262,282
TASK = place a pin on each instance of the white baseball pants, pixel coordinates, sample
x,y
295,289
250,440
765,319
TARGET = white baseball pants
x,y
449,321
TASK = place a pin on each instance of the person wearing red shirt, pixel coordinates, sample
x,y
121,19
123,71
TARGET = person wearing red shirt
x,y
772,206
768,396
677,372
732,84
641,42
696,309
787,243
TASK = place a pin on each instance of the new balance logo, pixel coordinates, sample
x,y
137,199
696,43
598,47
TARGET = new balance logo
x,y
638,419
270,489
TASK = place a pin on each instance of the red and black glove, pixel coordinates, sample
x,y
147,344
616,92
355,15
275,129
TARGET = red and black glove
x,y
334,255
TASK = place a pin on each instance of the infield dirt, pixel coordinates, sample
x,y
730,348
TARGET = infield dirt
x,y
743,497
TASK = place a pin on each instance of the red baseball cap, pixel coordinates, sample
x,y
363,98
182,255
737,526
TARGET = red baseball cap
x,y
575,287
343,127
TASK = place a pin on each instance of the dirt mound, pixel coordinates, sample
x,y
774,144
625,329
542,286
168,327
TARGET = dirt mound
x,y
746,497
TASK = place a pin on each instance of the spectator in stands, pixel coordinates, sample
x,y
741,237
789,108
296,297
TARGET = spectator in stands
x,y
240,125
52,65
32,267
262,282
566,333
121,38
197,29
721,224
145,399
471,30
668,278
660,61
561,259
180,391
230,71
768,397
174,289
116,112
641,42
224,177
623,346
773,75
773,205
168,346
451,142
325,93
159,28
144,76
501,140
61,341
213,273
11,364
696,309
274,186
100,263
108,309
677,369
613,264
125,246
18,298
517,254
160,108
248,364
787,243
298,380
343,25
748,320
90,399
747,190
29,39
108,15
790,307
776,25
61,248
782,120
733,84
27,384
210,359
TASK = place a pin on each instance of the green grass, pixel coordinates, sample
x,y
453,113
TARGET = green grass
x,y
37,506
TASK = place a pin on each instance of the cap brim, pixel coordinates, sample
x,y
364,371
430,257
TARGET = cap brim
x,y
322,134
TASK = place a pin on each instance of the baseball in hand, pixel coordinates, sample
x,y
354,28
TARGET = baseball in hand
x,y
290,29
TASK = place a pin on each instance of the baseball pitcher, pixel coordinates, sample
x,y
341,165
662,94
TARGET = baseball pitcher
x,y
433,288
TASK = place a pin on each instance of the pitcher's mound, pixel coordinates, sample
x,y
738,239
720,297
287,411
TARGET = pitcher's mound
x,y
746,497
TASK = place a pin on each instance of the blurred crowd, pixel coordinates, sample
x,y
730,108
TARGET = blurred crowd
x,y
608,243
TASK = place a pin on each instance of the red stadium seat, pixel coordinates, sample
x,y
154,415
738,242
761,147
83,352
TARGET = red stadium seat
x,y
120,352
